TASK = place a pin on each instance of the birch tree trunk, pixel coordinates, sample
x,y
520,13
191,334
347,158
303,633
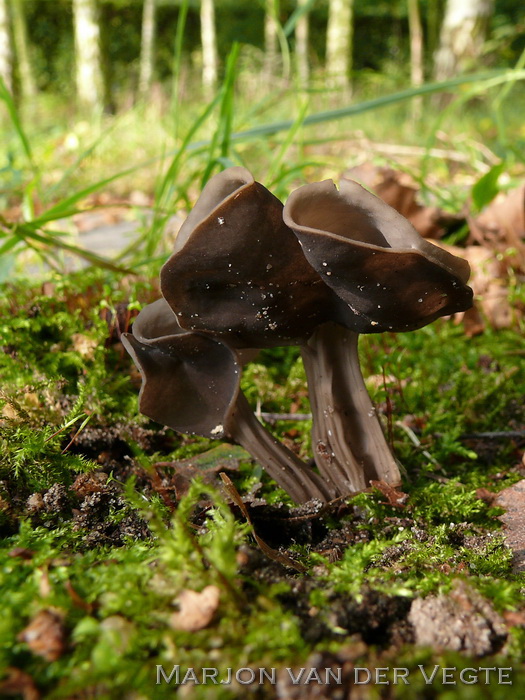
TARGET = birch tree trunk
x,y
209,47
463,33
147,44
339,41
6,56
416,42
89,76
301,47
416,53
23,60
271,40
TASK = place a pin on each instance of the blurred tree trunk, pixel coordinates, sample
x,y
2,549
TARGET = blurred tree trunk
x,y
339,41
301,46
147,44
6,55
463,33
416,53
271,40
209,47
23,60
89,75
416,43
433,17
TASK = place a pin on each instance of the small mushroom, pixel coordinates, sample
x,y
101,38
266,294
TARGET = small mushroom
x,y
191,383
242,277
237,271
386,277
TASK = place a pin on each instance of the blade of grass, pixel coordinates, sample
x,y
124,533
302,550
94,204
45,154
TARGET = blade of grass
x,y
7,99
177,64
52,240
67,207
486,80
168,186
491,81
276,163
296,15
48,195
221,138
500,98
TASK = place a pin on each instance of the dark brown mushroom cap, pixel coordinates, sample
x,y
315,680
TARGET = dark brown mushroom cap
x,y
190,382
388,277
237,270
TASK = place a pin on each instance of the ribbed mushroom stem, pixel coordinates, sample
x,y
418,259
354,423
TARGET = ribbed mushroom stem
x,y
348,442
295,477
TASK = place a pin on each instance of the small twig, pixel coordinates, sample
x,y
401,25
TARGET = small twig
x,y
270,552
84,423
274,417
494,435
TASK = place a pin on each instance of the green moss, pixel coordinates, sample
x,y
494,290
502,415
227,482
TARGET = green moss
x,y
116,602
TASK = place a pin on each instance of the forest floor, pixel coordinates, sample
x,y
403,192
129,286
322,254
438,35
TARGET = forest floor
x,y
118,568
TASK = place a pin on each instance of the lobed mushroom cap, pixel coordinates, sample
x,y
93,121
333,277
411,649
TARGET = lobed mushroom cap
x,y
190,381
386,275
238,272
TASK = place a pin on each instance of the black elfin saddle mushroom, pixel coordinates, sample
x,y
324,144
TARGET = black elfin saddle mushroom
x,y
385,277
239,272
191,383
241,276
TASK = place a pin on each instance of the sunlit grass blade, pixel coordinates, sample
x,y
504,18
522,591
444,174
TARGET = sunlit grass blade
x,y
296,15
7,99
69,205
221,139
9,245
50,192
485,80
479,87
277,160
177,64
52,240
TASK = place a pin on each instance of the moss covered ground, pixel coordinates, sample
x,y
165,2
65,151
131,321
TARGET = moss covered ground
x,y
106,518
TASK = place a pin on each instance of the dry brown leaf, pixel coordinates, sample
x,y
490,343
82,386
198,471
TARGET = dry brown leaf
x,y
84,345
488,279
21,553
394,497
501,225
45,635
514,618
196,610
398,190
19,683
485,495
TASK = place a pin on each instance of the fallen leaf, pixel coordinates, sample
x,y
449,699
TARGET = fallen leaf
x,y
45,635
205,465
501,225
489,281
21,553
514,618
398,190
196,610
485,495
84,345
394,497
19,683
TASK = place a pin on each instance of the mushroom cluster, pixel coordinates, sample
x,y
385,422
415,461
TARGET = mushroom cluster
x,y
247,274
